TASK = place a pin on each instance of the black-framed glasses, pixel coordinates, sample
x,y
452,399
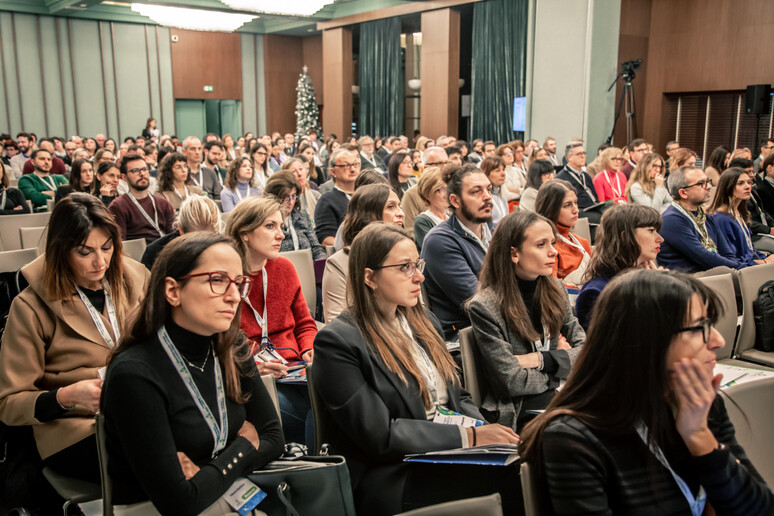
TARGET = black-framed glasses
x,y
705,327
137,170
407,268
220,282
355,164
703,183
436,164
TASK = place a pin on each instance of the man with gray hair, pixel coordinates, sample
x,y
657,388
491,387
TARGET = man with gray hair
x,y
368,158
412,203
202,176
332,206
581,181
691,243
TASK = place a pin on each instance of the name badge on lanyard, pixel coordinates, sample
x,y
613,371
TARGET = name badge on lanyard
x,y
266,351
98,322
218,428
545,344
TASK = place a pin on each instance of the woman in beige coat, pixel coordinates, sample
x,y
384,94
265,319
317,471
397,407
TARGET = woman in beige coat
x,y
62,328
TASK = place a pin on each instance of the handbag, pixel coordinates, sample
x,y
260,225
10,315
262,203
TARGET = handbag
x,y
305,485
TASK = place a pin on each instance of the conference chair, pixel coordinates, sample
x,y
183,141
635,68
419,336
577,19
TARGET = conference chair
x,y
9,228
470,367
535,502
750,280
50,205
304,263
749,407
582,229
318,410
271,386
135,248
12,261
107,485
33,238
73,490
490,505
330,250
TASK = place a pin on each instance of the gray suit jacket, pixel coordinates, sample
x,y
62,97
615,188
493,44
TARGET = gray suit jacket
x,y
209,183
498,344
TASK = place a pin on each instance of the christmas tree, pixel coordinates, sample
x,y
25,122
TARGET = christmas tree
x,y
307,115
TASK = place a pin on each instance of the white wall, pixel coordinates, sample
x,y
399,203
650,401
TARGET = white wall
x,y
575,58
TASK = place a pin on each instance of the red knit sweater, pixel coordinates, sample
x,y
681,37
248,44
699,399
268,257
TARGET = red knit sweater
x,y
290,323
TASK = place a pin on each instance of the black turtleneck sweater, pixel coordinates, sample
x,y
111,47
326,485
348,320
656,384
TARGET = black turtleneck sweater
x,y
528,289
150,416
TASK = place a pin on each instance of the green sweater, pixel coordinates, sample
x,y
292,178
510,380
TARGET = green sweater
x,y
32,187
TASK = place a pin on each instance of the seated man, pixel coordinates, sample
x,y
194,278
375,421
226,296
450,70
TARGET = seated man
x,y
691,243
455,248
582,183
332,206
40,185
138,213
412,203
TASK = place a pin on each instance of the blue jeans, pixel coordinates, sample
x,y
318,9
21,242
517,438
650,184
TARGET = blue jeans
x,y
296,411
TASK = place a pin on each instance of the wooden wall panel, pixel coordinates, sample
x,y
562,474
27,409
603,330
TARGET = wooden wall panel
x,y
338,71
283,60
708,45
440,72
206,59
633,44
313,58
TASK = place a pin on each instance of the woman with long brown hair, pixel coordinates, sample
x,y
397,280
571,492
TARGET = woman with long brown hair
x,y
186,413
61,329
522,320
647,183
383,374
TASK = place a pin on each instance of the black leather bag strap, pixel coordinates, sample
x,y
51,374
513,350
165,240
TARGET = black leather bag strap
x,y
285,496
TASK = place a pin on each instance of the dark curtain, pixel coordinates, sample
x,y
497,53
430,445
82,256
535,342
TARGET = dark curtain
x,y
499,67
381,78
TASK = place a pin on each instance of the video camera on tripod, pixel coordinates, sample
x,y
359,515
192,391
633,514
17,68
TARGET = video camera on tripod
x,y
629,67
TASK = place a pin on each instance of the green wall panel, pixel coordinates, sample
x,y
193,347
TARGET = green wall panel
x,y
31,98
87,68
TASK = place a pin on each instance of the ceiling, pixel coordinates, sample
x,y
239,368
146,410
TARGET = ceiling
x,y
120,11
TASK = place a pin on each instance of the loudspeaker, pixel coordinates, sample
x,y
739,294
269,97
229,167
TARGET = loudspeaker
x,y
758,99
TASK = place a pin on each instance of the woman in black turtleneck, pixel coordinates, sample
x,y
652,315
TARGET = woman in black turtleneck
x,y
523,324
12,201
161,447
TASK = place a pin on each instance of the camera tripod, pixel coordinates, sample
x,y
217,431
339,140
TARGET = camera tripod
x,y
627,102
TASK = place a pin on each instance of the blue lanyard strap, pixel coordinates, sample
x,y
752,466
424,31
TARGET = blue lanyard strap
x,y
219,431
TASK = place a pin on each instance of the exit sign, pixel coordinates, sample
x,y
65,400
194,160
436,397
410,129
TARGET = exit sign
x,y
208,88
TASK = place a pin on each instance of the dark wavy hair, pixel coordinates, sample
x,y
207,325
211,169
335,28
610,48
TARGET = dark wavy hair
x,y
550,197
366,206
75,176
392,171
166,176
725,192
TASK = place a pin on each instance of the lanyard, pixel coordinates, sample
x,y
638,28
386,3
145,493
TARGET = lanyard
x,y
426,365
696,503
581,180
51,185
200,181
263,322
155,221
293,234
760,211
746,232
2,204
702,231
610,182
219,431
574,242
185,189
546,342
98,322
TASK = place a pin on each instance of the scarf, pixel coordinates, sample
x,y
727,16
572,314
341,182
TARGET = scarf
x,y
699,220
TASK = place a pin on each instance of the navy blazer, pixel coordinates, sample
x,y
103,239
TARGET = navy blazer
x,y
372,417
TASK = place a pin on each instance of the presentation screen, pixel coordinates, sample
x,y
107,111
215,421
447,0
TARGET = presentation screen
x,y
520,114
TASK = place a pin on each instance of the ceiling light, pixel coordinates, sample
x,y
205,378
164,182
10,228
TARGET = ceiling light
x,y
194,19
294,8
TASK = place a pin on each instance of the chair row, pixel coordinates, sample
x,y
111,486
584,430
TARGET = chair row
x,y
12,261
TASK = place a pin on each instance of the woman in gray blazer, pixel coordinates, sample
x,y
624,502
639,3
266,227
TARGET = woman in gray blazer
x,y
526,334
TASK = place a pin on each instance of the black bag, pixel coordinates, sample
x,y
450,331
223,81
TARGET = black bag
x,y
763,308
306,485
20,466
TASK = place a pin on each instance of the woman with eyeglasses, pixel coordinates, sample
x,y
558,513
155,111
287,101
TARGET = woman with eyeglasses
x,y
385,380
610,182
647,183
175,181
259,155
639,424
309,193
61,330
186,414
370,203
526,334
432,190
732,218
275,316
400,172
628,238
240,183
299,232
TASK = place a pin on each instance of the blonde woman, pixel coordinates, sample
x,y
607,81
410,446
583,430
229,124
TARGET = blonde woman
x,y
647,184
610,182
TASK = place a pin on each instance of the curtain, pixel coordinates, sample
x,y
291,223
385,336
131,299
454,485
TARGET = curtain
x,y
381,78
499,67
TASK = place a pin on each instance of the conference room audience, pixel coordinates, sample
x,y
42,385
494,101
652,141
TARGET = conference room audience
x,y
370,203
61,329
514,173
432,190
628,239
12,201
765,184
240,183
40,186
275,315
332,206
682,157
455,248
537,153
647,183
494,168
671,448
691,242
524,327
400,173
610,182
202,177
197,213
557,202
106,182
717,163
412,203
165,443
175,182
731,217
539,172
259,155
582,183
298,229
308,196
81,180
382,370
315,173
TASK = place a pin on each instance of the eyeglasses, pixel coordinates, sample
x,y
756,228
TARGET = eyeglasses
x,y
290,199
616,159
220,282
408,268
704,183
138,170
705,327
657,166
262,153
640,149
442,190
436,164
355,164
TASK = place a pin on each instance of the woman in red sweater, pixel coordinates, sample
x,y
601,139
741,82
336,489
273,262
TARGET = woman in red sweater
x,y
283,324
610,183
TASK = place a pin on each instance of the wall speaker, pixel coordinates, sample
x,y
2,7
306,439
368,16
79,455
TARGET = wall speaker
x,y
758,96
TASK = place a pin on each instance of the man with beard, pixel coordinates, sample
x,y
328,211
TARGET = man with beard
x,y
40,185
202,176
18,161
139,214
455,248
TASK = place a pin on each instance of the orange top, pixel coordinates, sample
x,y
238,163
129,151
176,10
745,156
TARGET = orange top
x,y
570,256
